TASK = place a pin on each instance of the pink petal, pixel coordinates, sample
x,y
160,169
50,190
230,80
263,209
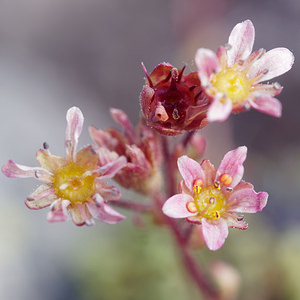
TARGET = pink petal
x,y
232,164
101,137
209,171
42,197
207,63
80,214
234,221
272,64
104,212
106,191
74,127
190,171
267,89
136,156
12,169
214,233
267,104
49,162
112,168
219,110
241,40
106,156
122,119
175,207
247,201
58,212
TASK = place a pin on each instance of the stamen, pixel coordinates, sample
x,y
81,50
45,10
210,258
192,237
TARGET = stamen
x,y
45,146
180,74
198,182
197,189
217,215
240,62
226,179
265,71
229,189
212,200
147,75
240,218
217,185
191,207
36,174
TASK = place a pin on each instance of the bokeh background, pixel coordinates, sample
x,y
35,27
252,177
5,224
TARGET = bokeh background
x,y
55,54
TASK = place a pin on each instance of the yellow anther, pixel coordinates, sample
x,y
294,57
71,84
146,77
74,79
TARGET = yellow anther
x,y
217,184
197,189
217,215
191,207
226,179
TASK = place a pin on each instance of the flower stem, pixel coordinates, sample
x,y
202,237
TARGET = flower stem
x,y
137,207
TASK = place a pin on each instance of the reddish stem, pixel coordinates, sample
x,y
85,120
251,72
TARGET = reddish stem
x,y
138,207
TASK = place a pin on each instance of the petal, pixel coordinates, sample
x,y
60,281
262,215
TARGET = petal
x,y
80,214
207,63
234,221
122,119
190,171
106,156
42,197
241,40
209,171
101,137
219,110
232,164
59,212
12,169
107,192
267,89
175,207
112,168
74,127
104,212
272,64
247,201
49,162
88,158
214,233
267,104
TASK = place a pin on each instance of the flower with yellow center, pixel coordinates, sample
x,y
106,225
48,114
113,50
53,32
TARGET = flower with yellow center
x,y
232,77
73,183
213,198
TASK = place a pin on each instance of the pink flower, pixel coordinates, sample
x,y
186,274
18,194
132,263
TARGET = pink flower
x,y
172,102
213,198
233,77
141,147
73,183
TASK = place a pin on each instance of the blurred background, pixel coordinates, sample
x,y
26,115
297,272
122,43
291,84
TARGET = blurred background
x,y
55,54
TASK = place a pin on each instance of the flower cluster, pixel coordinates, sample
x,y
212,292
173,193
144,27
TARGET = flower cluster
x,y
141,159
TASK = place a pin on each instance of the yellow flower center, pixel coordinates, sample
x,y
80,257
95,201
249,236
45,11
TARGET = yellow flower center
x,y
210,202
233,83
74,183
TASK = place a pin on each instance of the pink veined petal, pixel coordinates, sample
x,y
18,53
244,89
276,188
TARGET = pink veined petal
x,y
175,207
241,40
106,191
49,162
267,104
59,212
104,212
80,214
232,164
247,201
112,168
207,63
234,221
190,171
272,64
42,197
74,127
214,233
209,171
122,119
219,110
106,156
12,169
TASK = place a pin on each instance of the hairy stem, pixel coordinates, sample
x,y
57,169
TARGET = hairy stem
x,y
137,207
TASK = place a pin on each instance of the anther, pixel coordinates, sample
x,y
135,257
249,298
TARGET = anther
x,y
68,143
175,114
212,200
197,189
277,86
53,206
29,199
226,179
36,174
198,182
217,184
45,146
229,189
191,207
265,71
240,218
240,62
217,215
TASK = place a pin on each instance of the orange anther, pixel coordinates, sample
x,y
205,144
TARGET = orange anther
x,y
226,179
191,207
198,182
